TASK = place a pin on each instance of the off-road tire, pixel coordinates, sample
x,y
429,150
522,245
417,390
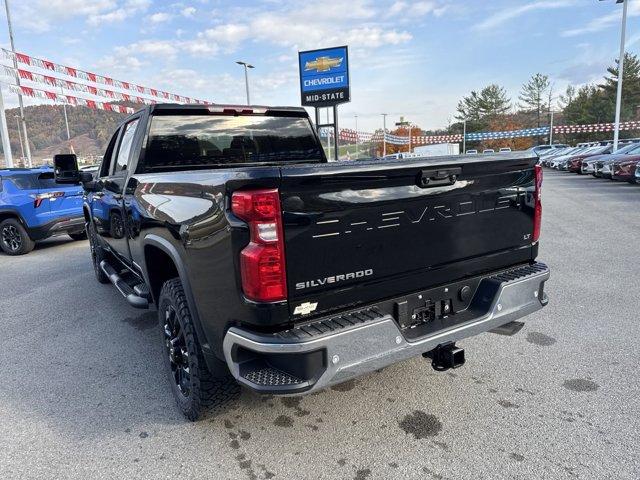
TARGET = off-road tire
x,y
77,236
208,392
97,253
14,239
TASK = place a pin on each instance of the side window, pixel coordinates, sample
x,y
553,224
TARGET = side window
x,y
25,182
105,166
125,146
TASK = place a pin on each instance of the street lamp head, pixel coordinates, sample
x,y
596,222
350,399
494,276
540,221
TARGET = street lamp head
x,y
250,66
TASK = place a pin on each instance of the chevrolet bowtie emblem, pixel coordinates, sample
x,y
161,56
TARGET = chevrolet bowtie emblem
x,y
323,64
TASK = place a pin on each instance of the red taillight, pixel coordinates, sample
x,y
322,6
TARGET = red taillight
x,y
537,216
42,196
262,265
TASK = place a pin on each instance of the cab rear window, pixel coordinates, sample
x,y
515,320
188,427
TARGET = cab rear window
x,y
203,141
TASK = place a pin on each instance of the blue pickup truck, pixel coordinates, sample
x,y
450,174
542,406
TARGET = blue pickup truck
x,y
33,207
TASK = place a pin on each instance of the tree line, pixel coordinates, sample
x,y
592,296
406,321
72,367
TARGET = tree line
x,y
491,108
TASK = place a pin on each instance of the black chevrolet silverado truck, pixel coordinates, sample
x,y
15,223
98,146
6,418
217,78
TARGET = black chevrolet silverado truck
x,y
274,269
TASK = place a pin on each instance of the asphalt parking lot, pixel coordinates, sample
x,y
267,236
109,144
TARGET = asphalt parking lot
x,y
83,394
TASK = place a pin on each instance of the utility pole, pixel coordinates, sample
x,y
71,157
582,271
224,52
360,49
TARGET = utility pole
x,y
357,137
246,77
616,131
4,131
464,136
384,134
20,103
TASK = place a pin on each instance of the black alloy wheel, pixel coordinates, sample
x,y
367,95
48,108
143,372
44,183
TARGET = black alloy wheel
x,y
14,239
176,349
11,238
97,253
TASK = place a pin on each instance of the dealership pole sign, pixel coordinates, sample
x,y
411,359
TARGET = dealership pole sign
x,y
324,76
324,83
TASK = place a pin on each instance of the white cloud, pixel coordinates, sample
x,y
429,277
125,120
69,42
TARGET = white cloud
x,y
397,7
228,33
601,23
159,17
127,9
153,48
41,14
117,63
188,12
509,13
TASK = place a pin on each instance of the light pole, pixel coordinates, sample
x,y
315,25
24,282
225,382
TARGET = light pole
x,y
403,123
4,133
66,121
357,137
246,77
464,136
20,104
384,134
616,130
551,128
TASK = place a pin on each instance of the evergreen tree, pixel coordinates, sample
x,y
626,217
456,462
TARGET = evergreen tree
x,y
534,95
493,101
630,87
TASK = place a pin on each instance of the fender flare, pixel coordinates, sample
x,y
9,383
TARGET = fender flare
x,y
14,213
168,248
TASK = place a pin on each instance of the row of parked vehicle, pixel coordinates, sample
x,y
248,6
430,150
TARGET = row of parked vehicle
x,y
596,159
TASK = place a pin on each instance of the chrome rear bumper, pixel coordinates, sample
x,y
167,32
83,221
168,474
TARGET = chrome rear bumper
x,y
261,362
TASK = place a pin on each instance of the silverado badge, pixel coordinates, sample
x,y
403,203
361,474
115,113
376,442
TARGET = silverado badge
x,y
305,308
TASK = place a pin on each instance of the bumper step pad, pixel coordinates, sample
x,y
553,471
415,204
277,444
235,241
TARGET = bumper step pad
x,y
271,377
332,325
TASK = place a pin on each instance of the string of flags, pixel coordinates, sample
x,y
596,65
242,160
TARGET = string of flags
x,y
95,78
70,99
77,87
525,132
596,127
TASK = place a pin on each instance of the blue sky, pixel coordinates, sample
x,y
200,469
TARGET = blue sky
x,y
411,58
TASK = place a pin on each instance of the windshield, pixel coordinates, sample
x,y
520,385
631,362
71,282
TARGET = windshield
x,y
632,147
202,141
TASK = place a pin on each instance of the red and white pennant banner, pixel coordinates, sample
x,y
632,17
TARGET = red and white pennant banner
x,y
78,87
351,136
95,78
595,127
59,97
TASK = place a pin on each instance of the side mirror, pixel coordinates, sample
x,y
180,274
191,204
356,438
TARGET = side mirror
x,y
65,168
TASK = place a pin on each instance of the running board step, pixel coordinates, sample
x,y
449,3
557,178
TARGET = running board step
x,y
133,295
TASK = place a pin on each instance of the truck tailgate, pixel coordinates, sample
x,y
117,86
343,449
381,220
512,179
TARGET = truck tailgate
x,y
364,231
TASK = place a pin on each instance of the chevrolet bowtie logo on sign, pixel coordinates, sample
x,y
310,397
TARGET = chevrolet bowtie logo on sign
x,y
324,76
323,64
